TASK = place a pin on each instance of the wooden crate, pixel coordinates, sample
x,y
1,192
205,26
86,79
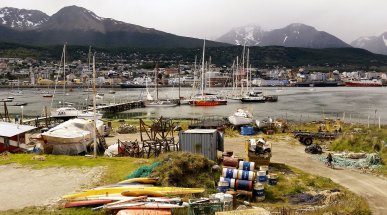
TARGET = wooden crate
x,y
260,160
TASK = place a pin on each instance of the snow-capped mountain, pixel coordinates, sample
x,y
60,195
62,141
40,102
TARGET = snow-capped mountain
x,y
293,35
373,44
250,35
79,26
22,19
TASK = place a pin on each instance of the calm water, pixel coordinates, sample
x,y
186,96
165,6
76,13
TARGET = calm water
x,y
304,104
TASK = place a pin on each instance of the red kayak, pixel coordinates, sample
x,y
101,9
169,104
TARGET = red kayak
x,y
87,203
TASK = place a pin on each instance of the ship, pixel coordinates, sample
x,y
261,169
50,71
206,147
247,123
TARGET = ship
x,y
364,83
317,84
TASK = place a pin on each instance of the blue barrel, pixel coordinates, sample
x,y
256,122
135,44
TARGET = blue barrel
x,y
230,173
262,176
243,185
223,186
272,179
245,165
247,130
245,175
231,182
259,192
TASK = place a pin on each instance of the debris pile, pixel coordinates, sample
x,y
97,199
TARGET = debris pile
x,y
126,129
313,149
184,169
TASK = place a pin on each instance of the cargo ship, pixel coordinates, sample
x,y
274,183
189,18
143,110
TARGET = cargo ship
x,y
317,84
364,83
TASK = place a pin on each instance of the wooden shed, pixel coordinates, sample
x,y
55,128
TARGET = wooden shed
x,y
13,136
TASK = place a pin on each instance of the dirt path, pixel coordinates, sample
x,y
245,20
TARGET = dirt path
x,y
372,188
21,186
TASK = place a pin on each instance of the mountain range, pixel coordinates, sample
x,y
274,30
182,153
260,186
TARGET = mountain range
x,y
293,35
79,26
375,44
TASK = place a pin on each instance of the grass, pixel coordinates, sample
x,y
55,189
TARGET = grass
x,y
116,168
368,140
293,181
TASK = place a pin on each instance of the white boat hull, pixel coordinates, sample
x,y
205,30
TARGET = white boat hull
x,y
239,120
64,113
72,131
160,104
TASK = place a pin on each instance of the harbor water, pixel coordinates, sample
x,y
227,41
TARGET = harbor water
x,y
300,104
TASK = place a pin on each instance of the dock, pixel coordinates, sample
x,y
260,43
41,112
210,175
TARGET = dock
x,y
111,108
119,107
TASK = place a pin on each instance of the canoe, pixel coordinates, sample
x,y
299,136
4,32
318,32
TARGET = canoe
x,y
123,201
139,180
144,205
117,190
145,212
161,193
87,203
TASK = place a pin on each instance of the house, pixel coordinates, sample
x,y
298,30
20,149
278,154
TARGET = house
x,y
13,136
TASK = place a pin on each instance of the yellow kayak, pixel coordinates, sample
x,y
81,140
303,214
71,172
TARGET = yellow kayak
x,y
139,180
117,190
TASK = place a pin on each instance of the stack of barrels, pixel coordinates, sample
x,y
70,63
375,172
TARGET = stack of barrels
x,y
241,177
238,175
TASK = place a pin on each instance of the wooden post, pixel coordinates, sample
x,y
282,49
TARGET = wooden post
x,y
379,123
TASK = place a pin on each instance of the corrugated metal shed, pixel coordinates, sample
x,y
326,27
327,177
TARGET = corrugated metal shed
x,y
11,129
201,141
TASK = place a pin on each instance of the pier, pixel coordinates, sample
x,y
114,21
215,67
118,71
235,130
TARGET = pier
x,y
119,107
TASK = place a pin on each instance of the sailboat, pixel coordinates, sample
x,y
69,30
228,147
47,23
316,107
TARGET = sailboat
x,y
150,102
64,111
205,99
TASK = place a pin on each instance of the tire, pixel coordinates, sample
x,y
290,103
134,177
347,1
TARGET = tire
x,y
308,141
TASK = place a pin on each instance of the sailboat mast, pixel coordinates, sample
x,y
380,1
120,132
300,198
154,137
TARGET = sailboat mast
x,y
247,70
233,76
157,81
243,67
64,73
94,111
178,70
237,72
209,75
202,87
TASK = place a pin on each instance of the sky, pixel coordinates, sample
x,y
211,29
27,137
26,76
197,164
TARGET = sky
x,y
346,19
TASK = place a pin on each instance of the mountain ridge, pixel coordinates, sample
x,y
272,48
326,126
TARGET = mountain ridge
x,y
292,35
375,44
79,26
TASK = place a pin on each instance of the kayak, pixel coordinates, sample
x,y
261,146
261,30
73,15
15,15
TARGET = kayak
x,y
136,211
87,203
117,190
144,205
139,180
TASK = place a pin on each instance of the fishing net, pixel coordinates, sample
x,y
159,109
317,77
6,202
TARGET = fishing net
x,y
372,160
305,198
143,171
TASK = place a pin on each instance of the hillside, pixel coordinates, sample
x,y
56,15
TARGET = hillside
x,y
259,56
